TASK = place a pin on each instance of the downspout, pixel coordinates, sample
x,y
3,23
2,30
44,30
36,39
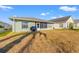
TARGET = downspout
x,y
13,25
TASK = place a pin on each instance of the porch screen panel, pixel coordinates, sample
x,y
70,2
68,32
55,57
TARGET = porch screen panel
x,y
24,24
43,25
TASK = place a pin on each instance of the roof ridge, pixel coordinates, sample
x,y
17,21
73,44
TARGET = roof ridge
x,y
28,17
62,19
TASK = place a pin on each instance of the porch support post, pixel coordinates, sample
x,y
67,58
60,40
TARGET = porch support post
x,y
13,29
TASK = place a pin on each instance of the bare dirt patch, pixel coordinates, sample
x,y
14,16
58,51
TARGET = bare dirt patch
x,y
48,41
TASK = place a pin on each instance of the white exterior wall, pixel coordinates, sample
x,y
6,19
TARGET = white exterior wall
x,y
50,26
70,20
56,26
77,26
16,27
65,24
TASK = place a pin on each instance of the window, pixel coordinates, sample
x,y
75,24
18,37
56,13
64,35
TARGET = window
x,y
61,25
24,24
43,25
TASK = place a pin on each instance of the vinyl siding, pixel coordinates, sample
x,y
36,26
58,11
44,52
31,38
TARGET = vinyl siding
x,y
56,26
50,26
77,26
64,25
70,20
17,26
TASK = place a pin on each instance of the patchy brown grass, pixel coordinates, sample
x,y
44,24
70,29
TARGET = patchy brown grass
x,y
48,41
63,41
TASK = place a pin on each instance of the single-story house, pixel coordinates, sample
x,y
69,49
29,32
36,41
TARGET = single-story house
x,y
63,22
25,23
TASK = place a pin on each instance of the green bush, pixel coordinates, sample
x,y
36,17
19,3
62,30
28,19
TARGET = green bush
x,y
70,25
1,26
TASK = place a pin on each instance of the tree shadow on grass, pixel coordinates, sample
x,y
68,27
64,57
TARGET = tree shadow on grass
x,y
10,45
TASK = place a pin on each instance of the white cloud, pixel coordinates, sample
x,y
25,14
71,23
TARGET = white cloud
x,y
5,7
54,17
44,14
67,8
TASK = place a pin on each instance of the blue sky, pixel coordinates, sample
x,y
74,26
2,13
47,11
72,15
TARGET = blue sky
x,y
39,11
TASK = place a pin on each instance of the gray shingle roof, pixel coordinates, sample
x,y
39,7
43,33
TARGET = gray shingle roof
x,y
29,19
60,20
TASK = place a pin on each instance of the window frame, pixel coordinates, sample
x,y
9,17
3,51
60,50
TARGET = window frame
x,y
24,24
43,25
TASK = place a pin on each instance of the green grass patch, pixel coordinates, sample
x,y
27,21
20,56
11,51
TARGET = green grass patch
x,y
76,29
60,29
5,33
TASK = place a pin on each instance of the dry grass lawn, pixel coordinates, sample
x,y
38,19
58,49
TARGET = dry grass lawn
x,y
63,41
48,41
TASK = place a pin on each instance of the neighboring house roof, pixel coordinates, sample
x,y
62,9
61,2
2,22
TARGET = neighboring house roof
x,y
5,25
29,19
76,21
60,20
